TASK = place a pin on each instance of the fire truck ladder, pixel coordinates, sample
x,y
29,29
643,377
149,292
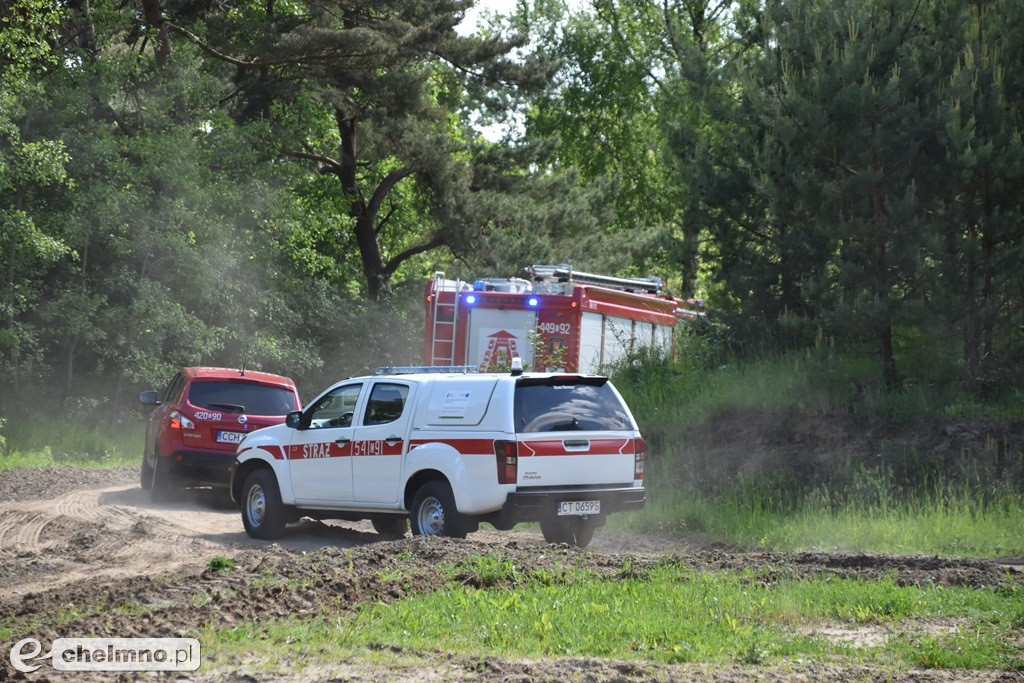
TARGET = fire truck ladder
x,y
565,273
447,328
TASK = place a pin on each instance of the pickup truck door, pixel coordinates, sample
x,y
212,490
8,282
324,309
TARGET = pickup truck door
x,y
319,456
380,442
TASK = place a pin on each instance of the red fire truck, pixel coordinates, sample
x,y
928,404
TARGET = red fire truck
x,y
557,320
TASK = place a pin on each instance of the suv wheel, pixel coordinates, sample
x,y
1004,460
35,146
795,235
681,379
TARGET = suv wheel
x,y
263,513
390,526
434,513
572,531
145,474
162,488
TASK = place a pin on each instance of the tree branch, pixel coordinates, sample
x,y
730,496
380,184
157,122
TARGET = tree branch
x,y
386,185
392,265
670,28
209,50
332,165
384,221
256,62
743,224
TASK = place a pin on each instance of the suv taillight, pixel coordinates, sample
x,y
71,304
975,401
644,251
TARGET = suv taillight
x,y
179,421
638,458
507,455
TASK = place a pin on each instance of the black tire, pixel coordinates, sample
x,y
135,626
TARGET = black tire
x,y
390,526
163,487
145,475
263,514
434,513
571,531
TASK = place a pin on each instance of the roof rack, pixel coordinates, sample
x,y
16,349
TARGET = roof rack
x,y
565,273
415,369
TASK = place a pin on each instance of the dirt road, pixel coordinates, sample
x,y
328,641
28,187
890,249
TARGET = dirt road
x,y
71,538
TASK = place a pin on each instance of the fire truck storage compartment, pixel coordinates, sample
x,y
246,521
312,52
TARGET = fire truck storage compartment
x,y
496,336
606,340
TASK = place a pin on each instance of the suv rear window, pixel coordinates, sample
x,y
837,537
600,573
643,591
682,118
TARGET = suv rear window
x,y
241,397
553,405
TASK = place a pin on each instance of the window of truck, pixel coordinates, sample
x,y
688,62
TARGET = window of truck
x,y
552,404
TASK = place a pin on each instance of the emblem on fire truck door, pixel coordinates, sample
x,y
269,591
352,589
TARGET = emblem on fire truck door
x,y
502,347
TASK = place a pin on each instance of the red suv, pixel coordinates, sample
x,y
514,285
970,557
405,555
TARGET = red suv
x,y
200,419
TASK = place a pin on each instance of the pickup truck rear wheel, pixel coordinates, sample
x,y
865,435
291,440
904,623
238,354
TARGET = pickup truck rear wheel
x,y
390,526
434,513
263,513
571,530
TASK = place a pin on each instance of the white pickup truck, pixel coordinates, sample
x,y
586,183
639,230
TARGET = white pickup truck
x,y
447,451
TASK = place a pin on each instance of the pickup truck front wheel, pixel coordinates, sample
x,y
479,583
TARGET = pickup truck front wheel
x,y
263,513
434,513
571,530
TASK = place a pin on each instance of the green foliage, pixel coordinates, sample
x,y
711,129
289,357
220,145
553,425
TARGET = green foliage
x,y
29,167
609,115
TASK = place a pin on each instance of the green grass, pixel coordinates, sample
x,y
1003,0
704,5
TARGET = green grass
x,y
958,526
672,615
219,563
804,451
41,442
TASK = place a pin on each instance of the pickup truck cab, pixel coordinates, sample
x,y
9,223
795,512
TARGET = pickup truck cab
x,y
446,451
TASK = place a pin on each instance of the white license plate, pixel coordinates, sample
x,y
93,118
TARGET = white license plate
x,y
229,437
579,507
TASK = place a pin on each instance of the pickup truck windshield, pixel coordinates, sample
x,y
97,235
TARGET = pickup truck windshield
x,y
240,397
565,407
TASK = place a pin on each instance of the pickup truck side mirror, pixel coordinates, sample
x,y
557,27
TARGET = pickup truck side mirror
x,y
294,419
148,398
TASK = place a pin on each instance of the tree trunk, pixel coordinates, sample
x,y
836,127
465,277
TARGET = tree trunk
x,y
787,287
376,270
153,14
971,322
369,252
880,257
366,222
690,262
69,386
988,314
889,375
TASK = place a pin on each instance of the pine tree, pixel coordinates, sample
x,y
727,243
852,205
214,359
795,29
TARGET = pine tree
x,y
369,94
983,212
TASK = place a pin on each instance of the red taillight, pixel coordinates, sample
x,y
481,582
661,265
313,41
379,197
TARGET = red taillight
x,y
638,458
506,453
179,421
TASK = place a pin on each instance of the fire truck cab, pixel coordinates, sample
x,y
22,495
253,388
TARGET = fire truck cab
x,y
556,320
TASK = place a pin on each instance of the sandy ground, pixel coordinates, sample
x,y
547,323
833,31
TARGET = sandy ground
x,y
72,537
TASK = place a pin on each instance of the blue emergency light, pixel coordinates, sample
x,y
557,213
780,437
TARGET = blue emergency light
x,y
471,299
533,302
